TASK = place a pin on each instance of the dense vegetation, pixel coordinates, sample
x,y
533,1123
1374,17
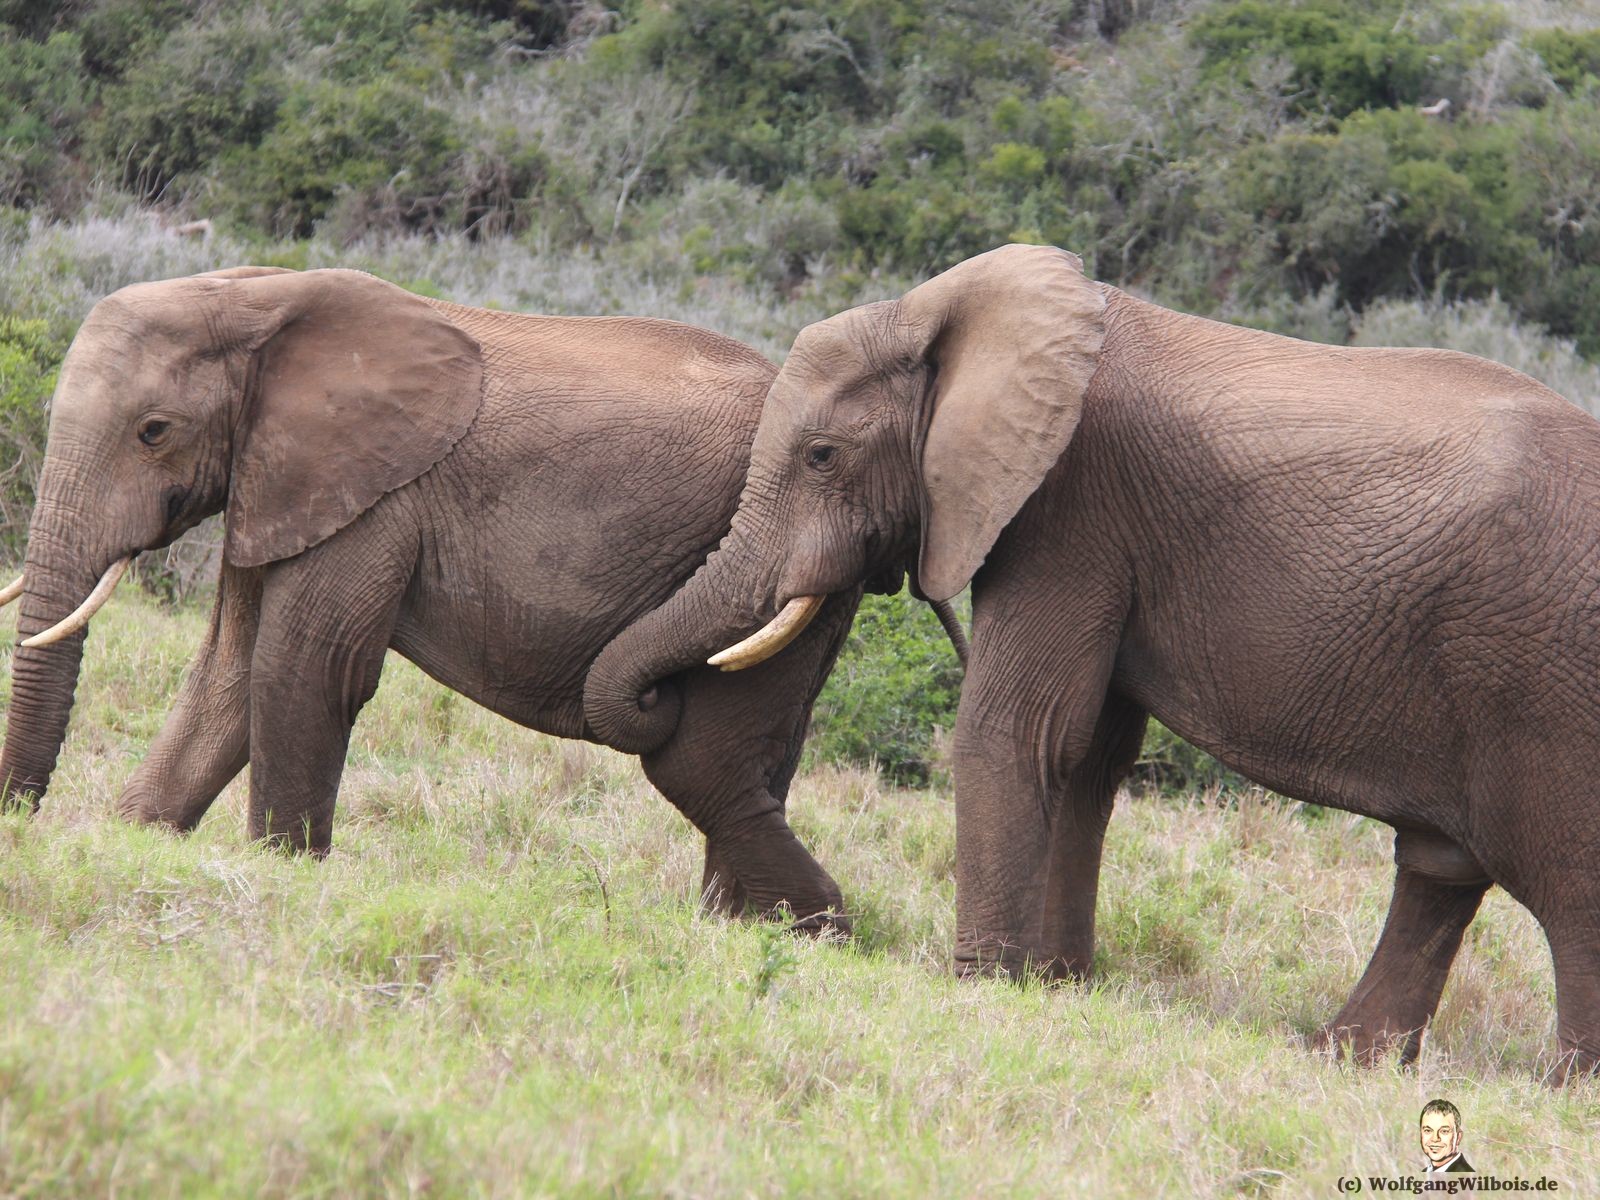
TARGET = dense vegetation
x,y
756,163
1219,153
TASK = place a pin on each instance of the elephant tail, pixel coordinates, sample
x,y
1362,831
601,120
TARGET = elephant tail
x,y
952,627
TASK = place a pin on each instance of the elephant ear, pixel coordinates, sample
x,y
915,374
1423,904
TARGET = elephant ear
x,y
1013,337
358,388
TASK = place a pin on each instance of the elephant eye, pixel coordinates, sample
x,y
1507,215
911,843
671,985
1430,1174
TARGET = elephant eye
x,y
151,432
819,456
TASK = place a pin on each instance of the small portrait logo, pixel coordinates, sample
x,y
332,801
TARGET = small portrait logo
x,y
1440,1134
1445,1171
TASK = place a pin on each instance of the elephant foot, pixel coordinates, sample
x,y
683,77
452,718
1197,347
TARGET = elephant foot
x,y
139,807
152,799
24,802
732,902
721,893
1576,1064
1003,960
1367,1043
723,898
311,834
827,926
291,846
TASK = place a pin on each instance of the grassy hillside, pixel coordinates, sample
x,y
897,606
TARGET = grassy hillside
x,y
499,986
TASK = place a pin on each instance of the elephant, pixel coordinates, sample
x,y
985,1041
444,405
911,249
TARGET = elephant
x,y
493,495
1364,578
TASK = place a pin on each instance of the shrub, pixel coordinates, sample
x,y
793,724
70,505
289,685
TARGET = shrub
x,y
1390,204
1555,162
1572,58
538,24
380,157
1014,165
43,97
1346,57
1170,766
357,40
117,33
897,682
206,90
332,140
29,359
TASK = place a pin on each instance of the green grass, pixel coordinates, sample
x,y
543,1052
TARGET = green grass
x,y
499,985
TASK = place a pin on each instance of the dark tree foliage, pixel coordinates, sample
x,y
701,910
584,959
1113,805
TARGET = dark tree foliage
x,y
539,24
1226,151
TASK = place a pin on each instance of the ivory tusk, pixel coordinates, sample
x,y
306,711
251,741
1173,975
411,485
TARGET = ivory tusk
x,y
80,616
11,591
774,636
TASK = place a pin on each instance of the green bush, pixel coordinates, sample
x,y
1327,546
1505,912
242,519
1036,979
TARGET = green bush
x,y
1571,57
1345,55
174,112
776,82
117,33
1390,204
539,24
1170,766
1555,161
358,40
29,359
1013,165
43,97
897,682
379,156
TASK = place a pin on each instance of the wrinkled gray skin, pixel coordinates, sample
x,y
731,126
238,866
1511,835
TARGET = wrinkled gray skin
x,y
493,495
1368,579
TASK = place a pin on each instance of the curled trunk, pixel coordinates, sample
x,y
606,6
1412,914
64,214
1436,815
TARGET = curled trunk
x,y
630,700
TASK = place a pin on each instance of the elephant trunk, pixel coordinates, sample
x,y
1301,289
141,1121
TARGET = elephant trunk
x,y
58,575
629,699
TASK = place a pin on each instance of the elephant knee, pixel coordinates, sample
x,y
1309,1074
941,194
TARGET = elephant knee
x,y
144,803
136,804
141,808
830,922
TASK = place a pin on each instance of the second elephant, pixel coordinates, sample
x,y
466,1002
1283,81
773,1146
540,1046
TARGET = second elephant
x,y
1368,579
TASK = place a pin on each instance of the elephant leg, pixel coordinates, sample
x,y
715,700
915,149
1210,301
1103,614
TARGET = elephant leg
x,y
728,768
1573,931
317,659
720,889
1031,765
1437,888
206,739
1066,935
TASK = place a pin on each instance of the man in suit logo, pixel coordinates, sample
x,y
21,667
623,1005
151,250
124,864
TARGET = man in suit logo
x,y
1441,1138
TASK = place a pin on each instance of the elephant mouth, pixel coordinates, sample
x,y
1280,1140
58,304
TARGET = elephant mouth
x,y
177,498
777,633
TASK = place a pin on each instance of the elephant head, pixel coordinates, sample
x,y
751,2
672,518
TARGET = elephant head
x,y
291,400
908,430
